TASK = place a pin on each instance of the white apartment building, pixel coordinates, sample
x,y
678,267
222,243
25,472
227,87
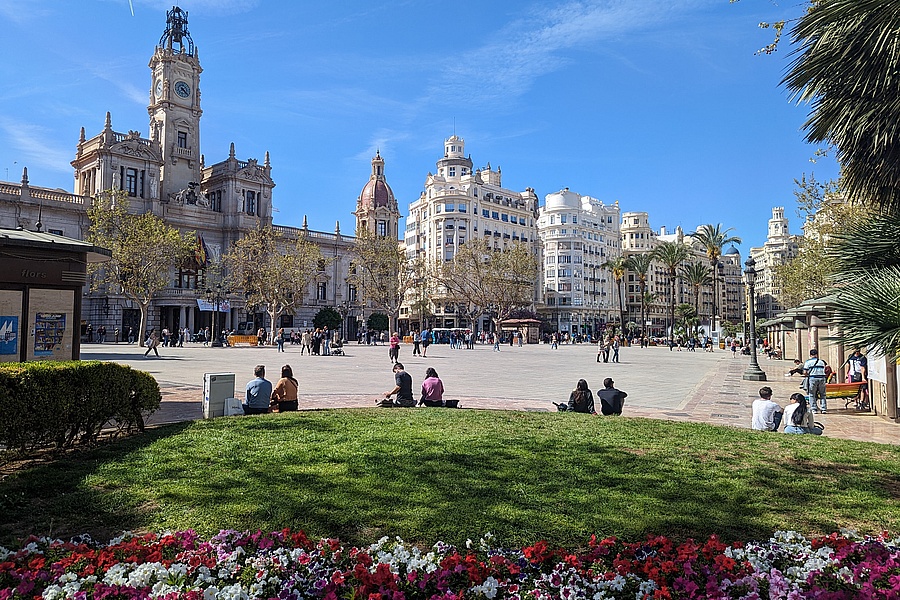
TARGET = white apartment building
x,y
779,248
579,235
460,203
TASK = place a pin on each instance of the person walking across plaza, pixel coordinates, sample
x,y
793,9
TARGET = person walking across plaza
x,y
394,350
258,393
306,342
612,401
615,349
601,349
402,387
814,369
284,396
152,343
766,414
417,348
280,339
425,338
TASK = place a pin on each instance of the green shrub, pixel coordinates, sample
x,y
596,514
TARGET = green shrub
x,y
61,403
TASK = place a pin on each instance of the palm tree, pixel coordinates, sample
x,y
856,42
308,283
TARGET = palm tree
x,y
713,238
640,264
696,275
618,266
845,66
671,254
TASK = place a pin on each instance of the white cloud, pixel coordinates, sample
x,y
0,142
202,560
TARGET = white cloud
x,y
31,142
535,44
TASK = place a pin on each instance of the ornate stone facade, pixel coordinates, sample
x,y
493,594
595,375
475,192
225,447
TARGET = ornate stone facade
x,y
166,174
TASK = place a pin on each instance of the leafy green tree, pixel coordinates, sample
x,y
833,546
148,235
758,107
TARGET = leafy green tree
x,y
672,255
384,274
640,264
144,251
618,267
378,321
328,317
272,271
713,238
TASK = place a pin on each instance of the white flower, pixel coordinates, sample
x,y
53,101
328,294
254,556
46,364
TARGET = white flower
x,y
488,589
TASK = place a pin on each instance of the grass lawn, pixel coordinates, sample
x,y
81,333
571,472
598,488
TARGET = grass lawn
x,y
453,474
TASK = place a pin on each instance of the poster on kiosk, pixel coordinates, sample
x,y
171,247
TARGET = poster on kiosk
x,y
218,389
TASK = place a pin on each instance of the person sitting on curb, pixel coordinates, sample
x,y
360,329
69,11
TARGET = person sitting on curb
x,y
766,413
402,387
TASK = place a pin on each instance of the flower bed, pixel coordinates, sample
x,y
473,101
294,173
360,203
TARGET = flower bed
x,y
283,564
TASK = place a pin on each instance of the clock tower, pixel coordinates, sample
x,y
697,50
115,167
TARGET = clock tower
x,y
175,105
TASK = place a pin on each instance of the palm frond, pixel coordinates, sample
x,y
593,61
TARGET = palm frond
x,y
870,244
868,314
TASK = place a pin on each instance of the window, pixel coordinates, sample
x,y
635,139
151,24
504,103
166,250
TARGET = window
x,y
451,171
462,208
564,258
321,291
182,139
564,232
250,202
495,215
563,218
485,213
574,219
449,207
504,217
565,272
381,228
553,219
513,219
437,208
550,260
351,293
131,182
449,240
215,201
55,231
565,286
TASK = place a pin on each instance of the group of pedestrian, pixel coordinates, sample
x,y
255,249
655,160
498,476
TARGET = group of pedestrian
x,y
605,345
612,400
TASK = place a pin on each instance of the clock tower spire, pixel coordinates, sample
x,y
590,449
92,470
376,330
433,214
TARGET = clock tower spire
x,y
175,105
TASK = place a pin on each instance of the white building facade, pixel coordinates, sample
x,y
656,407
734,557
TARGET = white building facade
x,y
579,235
460,203
780,247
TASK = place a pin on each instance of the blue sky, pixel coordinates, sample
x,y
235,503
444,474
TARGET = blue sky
x,y
661,105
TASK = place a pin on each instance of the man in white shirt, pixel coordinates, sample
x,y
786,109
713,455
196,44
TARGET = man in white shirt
x,y
766,413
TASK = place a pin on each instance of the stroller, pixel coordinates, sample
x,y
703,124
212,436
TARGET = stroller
x,y
337,349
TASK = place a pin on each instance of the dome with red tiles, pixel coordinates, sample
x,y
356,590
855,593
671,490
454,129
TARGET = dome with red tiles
x,y
377,193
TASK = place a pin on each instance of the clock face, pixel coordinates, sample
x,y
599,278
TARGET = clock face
x,y
158,88
182,89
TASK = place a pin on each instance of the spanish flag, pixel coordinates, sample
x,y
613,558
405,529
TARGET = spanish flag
x,y
201,256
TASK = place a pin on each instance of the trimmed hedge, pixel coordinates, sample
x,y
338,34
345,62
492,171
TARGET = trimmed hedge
x,y
60,403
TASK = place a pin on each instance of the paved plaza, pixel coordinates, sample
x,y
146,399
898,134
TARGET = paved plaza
x,y
661,384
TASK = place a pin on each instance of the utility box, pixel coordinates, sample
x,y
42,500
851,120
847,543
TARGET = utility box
x,y
217,388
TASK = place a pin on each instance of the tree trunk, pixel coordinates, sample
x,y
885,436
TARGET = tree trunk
x,y
142,332
621,307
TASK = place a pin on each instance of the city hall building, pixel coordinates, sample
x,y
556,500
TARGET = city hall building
x,y
165,173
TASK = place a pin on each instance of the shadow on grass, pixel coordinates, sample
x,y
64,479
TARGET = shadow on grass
x,y
429,475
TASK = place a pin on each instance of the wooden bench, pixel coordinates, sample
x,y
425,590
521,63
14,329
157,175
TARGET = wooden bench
x,y
850,392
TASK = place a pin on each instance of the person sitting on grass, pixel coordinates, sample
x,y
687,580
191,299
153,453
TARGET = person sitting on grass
x,y
581,399
611,400
766,413
402,387
284,396
798,417
432,389
258,393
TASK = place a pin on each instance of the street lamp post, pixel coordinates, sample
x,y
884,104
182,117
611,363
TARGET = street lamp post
x,y
753,372
216,298
343,310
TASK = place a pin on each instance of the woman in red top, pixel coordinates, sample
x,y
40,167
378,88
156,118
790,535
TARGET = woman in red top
x,y
394,350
